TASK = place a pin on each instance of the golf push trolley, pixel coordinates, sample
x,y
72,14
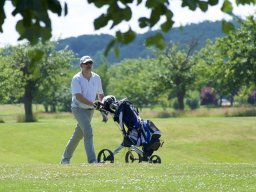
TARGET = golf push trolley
x,y
141,141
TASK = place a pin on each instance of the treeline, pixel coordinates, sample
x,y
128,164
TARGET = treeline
x,y
94,45
180,75
175,77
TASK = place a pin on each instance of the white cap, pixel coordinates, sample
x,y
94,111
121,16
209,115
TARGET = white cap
x,y
85,59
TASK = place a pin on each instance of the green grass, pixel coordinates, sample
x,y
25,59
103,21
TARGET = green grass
x,y
186,140
199,154
13,112
134,177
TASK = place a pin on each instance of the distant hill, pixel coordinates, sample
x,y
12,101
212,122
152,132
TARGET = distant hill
x,y
94,45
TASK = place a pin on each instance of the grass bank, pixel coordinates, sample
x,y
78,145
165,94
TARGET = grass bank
x,y
186,140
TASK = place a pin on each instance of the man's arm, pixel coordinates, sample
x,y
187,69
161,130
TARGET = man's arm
x,y
100,97
80,98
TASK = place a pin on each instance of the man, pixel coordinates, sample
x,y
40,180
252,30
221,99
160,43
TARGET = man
x,y
85,86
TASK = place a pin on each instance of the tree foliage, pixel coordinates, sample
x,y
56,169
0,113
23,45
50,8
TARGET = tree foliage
x,y
132,79
239,47
103,71
35,24
9,86
228,64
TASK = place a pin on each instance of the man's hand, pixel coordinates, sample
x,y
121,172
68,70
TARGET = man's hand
x,y
97,104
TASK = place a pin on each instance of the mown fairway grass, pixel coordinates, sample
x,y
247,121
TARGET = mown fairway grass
x,y
134,177
199,154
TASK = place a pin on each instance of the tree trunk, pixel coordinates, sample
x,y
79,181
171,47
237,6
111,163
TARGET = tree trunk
x,y
53,108
232,100
221,100
28,97
46,108
180,97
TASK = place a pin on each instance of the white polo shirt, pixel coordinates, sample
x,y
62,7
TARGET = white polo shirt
x,y
88,88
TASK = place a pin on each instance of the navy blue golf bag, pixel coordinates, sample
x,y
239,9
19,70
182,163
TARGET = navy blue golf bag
x,y
138,131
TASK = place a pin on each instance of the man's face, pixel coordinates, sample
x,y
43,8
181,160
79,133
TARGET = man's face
x,y
86,66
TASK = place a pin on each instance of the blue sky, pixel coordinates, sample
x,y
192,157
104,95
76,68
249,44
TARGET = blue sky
x,y
79,20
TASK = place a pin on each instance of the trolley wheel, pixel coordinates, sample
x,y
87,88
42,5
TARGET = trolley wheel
x,y
131,157
105,155
155,159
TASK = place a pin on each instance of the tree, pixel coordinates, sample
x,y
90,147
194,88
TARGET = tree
x,y
175,72
239,53
35,24
132,79
229,64
43,81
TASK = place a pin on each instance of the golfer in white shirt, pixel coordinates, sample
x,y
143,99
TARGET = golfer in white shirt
x,y
85,86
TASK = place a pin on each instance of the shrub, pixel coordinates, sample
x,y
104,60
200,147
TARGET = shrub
x,y
208,96
166,114
193,103
175,104
252,98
